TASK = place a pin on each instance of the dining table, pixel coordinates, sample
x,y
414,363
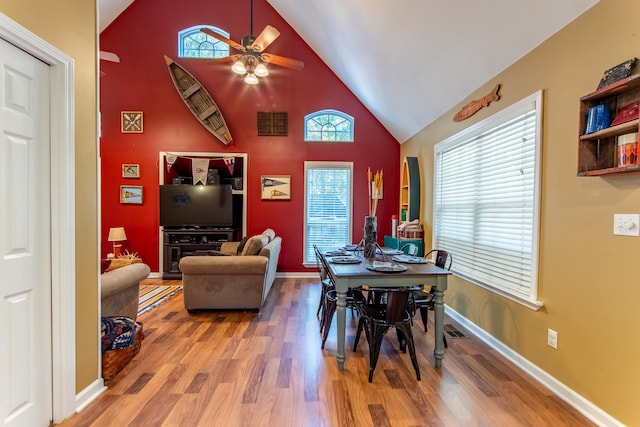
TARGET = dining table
x,y
382,272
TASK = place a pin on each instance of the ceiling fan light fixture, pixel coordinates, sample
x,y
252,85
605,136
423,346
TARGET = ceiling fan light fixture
x,y
251,79
261,70
251,62
238,67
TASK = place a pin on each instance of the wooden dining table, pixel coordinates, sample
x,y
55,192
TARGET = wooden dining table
x,y
346,276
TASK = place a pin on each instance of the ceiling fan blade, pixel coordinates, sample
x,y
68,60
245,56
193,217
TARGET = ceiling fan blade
x,y
109,56
266,37
282,61
222,38
222,60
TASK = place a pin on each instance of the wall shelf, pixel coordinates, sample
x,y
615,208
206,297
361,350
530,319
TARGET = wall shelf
x,y
598,151
182,242
410,190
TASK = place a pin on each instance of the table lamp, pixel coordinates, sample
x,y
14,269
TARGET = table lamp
x,y
117,235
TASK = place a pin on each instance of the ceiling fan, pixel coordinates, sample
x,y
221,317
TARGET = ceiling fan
x,y
251,61
108,56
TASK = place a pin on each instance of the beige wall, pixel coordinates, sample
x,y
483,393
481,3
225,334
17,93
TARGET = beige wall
x,y
588,278
70,26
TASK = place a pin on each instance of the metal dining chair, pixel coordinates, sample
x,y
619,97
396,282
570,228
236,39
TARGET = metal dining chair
x,y
424,301
329,298
325,284
387,309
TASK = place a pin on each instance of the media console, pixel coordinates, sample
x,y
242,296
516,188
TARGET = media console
x,y
183,242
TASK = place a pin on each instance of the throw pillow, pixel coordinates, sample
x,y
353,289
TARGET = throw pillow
x,y
241,245
254,244
269,233
117,332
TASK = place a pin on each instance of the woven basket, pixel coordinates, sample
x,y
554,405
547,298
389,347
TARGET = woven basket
x,y
114,360
413,233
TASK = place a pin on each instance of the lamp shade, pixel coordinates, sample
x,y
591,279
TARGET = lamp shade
x,y
117,234
251,79
261,70
238,67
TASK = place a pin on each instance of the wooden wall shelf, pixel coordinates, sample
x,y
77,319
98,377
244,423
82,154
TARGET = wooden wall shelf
x,y
598,151
410,190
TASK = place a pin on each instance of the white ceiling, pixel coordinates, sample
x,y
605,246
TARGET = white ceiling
x,y
108,10
409,61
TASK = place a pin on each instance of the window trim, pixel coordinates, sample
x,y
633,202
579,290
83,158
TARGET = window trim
x,y
483,126
327,165
345,116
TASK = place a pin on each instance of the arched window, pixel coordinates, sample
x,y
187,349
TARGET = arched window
x,y
193,43
328,125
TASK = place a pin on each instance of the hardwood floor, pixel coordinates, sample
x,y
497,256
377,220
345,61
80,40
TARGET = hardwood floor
x,y
224,368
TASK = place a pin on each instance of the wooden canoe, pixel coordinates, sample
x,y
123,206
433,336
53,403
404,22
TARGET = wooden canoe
x,y
199,101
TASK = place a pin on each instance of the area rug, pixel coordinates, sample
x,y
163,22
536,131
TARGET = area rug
x,y
153,295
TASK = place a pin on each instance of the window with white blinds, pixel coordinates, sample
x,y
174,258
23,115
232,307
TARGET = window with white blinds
x,y
327,193
486,204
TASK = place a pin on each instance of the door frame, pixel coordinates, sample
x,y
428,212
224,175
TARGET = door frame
x,y
62,181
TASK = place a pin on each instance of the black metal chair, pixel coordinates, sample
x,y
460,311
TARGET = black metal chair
x,y
424,301
325,283
386,310
353,297
329,298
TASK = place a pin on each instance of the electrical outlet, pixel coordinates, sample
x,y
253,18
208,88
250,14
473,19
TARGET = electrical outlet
x,y
552,338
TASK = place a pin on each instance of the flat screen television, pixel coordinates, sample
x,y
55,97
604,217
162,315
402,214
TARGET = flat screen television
x,y
196,205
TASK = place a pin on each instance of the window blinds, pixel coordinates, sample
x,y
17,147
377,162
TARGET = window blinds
x,y
327,206
486,207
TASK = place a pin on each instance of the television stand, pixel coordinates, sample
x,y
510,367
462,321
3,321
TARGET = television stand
x,y
181,242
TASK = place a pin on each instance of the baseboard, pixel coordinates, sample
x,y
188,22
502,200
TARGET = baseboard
x,y
296,275
578,402
279,275
89,394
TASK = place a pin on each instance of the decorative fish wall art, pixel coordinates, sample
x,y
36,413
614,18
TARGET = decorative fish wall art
x,y
474,106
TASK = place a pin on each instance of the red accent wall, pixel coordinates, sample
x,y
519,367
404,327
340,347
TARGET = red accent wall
x,y
145,32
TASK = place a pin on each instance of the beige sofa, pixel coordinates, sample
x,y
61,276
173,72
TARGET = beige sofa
x,y
120,290
239,278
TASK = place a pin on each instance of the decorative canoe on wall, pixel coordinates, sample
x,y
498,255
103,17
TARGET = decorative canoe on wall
x,y
199,101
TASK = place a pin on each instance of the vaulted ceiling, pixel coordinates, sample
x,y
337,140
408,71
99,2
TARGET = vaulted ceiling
x,y
409,61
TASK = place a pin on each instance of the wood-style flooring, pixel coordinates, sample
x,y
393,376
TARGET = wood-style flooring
x,y
226,368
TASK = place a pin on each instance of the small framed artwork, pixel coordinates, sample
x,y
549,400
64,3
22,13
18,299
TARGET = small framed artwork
x,y
276,187
131,194
130,171
131,122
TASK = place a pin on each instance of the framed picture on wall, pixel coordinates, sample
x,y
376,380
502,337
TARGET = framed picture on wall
x,y
276,187
130,171
131,194
131,122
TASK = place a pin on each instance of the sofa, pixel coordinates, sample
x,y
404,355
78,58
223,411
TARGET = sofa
x,y
238,277
120,290
119,294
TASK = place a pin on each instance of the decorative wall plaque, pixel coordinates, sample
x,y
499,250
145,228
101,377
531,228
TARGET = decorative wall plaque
x,y
131,122
619,72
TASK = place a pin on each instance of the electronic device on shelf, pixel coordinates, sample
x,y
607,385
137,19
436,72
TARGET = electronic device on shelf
x,y
196,205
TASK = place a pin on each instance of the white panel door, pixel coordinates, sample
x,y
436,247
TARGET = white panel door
x,y
25,242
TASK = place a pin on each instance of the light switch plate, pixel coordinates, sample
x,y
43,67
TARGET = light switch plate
x,y
626,224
